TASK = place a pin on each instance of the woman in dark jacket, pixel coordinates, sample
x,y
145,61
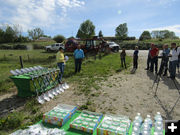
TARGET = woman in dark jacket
x,y
123,58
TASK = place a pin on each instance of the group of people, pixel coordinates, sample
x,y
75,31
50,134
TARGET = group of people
x,y
61,60
152,60
169,57
135,58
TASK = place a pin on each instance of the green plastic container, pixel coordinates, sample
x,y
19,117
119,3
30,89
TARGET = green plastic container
x,y
26,87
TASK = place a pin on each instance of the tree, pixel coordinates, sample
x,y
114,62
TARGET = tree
x,y
145,35
100,34
86,30
35,33
9,35
59,38
163,34
122,31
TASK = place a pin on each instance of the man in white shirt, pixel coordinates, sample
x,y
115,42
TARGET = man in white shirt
x,y
173,60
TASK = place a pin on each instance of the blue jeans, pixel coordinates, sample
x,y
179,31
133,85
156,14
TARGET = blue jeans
x,y
61,67
172,68
78,63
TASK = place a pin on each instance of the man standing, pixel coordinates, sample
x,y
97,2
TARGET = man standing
x,y
135,58
173,60
154,58
165,54
60,62
148,59
78,55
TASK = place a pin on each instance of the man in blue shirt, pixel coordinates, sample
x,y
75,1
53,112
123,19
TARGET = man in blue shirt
x,y
78,56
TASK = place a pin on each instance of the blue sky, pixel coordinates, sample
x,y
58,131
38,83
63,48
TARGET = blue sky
x,y
65,16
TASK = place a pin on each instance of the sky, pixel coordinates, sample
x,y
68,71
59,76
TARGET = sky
x,y
65,16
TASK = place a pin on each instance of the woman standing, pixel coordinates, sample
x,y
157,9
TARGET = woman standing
x,y
60,63
123,58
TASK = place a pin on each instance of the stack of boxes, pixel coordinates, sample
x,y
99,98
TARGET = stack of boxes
x,y
114,125
87,121
59,115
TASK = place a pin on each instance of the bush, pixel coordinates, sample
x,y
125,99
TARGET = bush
x,y
12,121
37,46
19,47
59,38
6,47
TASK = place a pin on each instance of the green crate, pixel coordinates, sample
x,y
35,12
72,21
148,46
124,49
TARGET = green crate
x,y
26,87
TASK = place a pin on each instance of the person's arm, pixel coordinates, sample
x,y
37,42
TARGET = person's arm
x,y
83,54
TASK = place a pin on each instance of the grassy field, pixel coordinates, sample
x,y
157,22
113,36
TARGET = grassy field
x,y
93,71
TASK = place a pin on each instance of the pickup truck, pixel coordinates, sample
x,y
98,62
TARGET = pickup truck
x,y
54,47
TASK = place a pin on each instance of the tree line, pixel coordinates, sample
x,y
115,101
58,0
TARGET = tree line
x,y
11,34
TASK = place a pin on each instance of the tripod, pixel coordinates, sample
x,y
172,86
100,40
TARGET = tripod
x,y
157,80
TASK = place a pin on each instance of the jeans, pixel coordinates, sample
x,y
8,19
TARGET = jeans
x,y
135,62
172,68
154,61
61,67
148,62
123,62
78,63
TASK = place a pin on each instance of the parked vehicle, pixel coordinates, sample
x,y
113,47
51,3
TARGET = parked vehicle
x,y
54,47
114,47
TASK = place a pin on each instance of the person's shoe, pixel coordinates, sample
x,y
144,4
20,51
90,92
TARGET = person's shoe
x,y
151,71
146,68
164,74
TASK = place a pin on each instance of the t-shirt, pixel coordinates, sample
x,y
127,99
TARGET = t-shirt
x,y
60,57
123,55
79,54
175,53
154,51
136,53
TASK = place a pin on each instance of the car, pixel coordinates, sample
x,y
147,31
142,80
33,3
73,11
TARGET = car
x,y
54,47
114,47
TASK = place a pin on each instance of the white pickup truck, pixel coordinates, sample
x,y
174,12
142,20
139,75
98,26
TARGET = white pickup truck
x,y
54,47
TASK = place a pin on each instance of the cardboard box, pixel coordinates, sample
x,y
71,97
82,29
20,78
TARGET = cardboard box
x,y
59,115
114,125
87,121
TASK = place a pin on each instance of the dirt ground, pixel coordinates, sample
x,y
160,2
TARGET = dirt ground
x,y
126,94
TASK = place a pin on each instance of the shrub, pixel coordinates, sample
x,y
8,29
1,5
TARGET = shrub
x,y
59,38
19,47
6,47
37,46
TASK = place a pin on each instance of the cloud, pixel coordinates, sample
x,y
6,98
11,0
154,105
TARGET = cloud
x,y
119,12
37,13
174,28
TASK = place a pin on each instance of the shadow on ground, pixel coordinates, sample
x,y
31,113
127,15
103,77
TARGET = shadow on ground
x,y
10,104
